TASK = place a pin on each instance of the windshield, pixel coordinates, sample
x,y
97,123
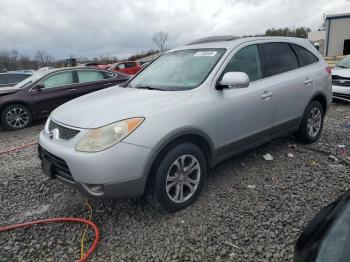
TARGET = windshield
x,y
26,82
344,63
178,70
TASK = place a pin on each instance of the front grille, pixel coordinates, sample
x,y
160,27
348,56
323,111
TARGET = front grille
x,y
340,80
59,166
64,133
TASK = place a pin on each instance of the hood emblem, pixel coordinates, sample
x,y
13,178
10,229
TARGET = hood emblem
x,y
54,133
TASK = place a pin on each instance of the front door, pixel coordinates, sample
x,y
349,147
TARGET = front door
x,y
59,87
245,114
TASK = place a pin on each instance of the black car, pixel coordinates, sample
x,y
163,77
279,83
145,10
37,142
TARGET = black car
x,y
36,96
327,237
12,78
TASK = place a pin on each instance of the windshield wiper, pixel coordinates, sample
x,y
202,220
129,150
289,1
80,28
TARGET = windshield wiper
x,y
341,66
149,88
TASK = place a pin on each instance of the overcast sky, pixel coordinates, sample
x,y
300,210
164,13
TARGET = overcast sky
x,y
93,27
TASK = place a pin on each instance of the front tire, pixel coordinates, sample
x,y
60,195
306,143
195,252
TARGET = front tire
x,y
179,178
16,117
312,123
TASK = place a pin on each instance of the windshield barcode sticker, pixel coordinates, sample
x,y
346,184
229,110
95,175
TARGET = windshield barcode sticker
x,y
205,53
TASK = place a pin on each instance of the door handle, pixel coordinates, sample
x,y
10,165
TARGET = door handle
x,y
71,90
266,95
308,81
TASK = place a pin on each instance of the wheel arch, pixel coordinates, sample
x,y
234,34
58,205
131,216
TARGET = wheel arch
x,y
194,136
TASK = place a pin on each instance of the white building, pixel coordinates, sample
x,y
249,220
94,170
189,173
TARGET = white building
x,y
337,41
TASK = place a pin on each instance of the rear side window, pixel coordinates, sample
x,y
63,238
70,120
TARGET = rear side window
x,y
280,58
121,66
305,56
89,76
130,64
246,60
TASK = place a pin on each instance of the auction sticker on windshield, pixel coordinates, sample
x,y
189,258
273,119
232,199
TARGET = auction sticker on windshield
x,y
205,53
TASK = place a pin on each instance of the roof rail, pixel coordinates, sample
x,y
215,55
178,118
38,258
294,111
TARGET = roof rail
x,y
213,39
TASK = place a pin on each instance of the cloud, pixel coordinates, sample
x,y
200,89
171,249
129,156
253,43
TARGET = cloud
x,y
92,27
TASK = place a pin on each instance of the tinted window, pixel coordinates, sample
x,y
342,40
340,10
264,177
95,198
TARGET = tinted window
x,y
15,78
3,80
89,76
246,60
130,64
59,79
305,56
279,58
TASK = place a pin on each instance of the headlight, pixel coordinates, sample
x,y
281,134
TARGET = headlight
x,y
104,137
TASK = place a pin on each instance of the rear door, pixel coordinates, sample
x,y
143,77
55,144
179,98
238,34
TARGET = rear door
x,y
92,80
131,68
291,86
59,88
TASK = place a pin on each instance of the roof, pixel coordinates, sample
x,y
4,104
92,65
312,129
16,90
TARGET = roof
x,y
229,44
335,16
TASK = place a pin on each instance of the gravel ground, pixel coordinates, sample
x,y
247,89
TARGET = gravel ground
x,y
250,210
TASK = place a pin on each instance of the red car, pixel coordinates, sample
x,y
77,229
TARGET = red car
x,y
127,67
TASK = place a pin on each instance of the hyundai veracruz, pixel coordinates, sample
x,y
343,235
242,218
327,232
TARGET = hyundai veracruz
x,y
188,110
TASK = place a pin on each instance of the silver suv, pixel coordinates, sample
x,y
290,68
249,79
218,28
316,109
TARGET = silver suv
x,y
191,108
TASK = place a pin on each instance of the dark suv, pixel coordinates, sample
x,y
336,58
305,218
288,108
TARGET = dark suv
x,y
36,96
12,78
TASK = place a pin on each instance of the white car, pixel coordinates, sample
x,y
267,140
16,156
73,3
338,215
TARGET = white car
x,y
341,78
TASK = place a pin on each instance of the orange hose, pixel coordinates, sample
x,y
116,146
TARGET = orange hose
x,y
63,219
18,148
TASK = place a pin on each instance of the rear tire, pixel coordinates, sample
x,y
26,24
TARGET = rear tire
x,y
178,179
312,123
16,117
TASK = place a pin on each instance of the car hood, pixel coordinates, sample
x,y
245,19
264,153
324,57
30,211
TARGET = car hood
x,y
6,90
116,103
343,72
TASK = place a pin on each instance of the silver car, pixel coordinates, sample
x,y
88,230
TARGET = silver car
x,y
190,109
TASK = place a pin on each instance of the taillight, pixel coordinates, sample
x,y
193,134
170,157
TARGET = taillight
x,y
329,70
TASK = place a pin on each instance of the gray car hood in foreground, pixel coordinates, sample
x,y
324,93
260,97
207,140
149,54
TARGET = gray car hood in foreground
x,y
113,104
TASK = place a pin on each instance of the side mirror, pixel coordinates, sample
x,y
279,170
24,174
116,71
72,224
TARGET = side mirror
x,y
234,80
39,86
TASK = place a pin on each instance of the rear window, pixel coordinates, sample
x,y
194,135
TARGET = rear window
x,y
280,58
305,56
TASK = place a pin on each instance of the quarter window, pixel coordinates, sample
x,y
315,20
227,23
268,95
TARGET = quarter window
x,y
89,76
305,56
246,60
280,58
59,79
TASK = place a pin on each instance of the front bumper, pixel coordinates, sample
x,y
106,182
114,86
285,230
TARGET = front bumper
x,y
341,91
113,173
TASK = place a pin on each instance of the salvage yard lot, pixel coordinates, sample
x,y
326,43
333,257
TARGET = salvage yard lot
x,y
250,210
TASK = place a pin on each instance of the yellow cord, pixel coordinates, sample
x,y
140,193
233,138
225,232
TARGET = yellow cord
x,y
85,230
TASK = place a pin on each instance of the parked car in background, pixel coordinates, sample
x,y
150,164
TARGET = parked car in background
x,y
12,78
127,67
327,236
341,78
36,96
190,109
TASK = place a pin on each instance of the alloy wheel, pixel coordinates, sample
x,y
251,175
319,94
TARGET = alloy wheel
x,y
17,117
314,122
183,178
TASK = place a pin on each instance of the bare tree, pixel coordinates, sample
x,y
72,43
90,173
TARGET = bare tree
x,y
160,38
43,58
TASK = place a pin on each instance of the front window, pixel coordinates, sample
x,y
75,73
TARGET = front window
x,y
178,70
344,63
